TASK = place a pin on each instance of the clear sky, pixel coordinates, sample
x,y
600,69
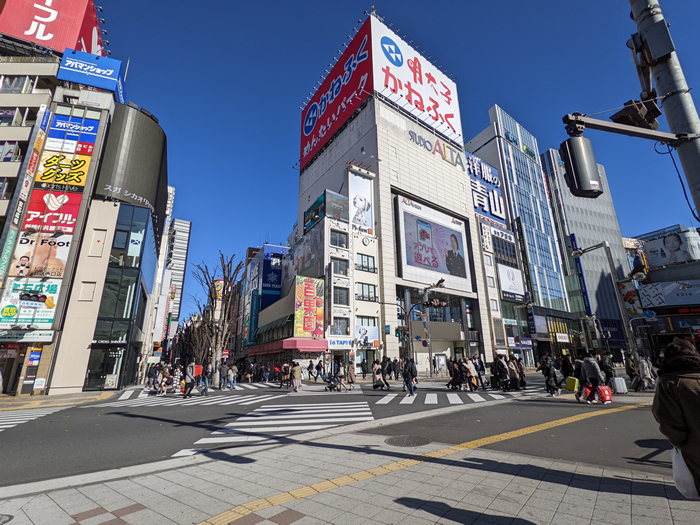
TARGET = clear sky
x,y
226,79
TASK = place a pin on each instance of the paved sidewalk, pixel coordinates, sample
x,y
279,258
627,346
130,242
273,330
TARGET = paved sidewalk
x,y
358,478
22,403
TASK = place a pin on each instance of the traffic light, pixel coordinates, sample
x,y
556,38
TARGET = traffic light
x,y
581,175
398,332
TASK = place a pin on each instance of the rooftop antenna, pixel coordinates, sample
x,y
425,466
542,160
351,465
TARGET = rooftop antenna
x,y
126,71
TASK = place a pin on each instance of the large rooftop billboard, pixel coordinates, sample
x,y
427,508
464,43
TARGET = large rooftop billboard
x,y
378,60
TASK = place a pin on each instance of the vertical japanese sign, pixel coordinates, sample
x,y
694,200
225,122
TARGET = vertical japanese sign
x,y
308,308
348,84
403,76
486,191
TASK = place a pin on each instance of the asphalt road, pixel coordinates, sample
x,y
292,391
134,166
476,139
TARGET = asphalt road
x,y
135,431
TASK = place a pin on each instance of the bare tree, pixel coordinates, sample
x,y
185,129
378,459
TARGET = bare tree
x,y
215,313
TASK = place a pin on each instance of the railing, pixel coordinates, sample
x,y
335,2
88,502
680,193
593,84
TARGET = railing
x,y
54,60
372,269
362,297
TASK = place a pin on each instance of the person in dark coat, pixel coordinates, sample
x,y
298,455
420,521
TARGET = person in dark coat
x,y
456,381
677,402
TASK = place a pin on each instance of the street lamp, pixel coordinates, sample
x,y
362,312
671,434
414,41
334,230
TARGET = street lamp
x,y
426,322
623,311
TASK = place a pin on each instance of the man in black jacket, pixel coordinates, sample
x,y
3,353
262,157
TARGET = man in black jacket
x,y
409,373
386,371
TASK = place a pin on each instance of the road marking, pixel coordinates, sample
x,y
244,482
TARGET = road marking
x,y
17,417
306,406
143,393
431,399
476,397
407,400
454,399
260,399
126,395
248,508
497,396
386,399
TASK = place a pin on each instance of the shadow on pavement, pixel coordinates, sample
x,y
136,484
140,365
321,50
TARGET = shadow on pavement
x,y
445,511
659,446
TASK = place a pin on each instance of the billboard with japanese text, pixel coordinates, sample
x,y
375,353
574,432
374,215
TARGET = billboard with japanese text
x,y
308,307
486,190
90,70
72,135
29,302
51,212
55,24
62,171
673,248
40,254
90,36
433,246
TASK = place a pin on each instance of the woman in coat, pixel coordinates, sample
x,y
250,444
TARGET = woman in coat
x,y
456,381
296,376
351,375
677,402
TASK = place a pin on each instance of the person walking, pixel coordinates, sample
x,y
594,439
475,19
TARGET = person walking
x,y
351,375
296,376
503,373
472,374
386,371
177,379
567,369
632,372
592,376
285,376
676,404
189,380
395,368
223,377
408,374
455,382
645,373
319,370
606,366
310,369
232,376
521,371
363,367
208,375
341,376
513,374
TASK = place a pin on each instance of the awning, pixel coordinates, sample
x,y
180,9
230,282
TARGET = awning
x,y
291,343
274,324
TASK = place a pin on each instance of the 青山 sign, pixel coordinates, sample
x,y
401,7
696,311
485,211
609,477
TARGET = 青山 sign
x,y
90,70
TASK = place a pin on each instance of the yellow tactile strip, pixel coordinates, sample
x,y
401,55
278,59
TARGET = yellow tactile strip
x,y
304,492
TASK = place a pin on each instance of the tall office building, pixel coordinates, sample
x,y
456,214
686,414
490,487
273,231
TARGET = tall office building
x,y
513,150
179,239
581,223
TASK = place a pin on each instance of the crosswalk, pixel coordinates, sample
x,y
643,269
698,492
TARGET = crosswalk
x,y
275,422
456,398
165,401
12,418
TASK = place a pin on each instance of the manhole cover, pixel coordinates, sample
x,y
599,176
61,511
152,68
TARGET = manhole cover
x,y
407,441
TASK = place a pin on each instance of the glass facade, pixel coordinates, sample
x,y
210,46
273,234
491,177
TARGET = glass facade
x,y
130,276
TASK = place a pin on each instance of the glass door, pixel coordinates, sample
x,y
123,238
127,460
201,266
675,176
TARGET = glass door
x,y
103,369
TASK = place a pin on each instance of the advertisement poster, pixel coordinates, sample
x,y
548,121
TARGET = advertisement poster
x,y
670,294
308,308
52,212
674,248
631,299
315,213
337,206
29,302
433,246
367,335
361,203
62,171
511,279
40,255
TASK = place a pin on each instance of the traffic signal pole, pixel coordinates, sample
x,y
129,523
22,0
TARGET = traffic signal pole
x,y
658,52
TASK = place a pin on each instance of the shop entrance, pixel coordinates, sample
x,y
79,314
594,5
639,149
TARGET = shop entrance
x,y
103,369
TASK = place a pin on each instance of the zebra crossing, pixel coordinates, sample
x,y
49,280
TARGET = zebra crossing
x,y
165,401
12,418
456,398
275,422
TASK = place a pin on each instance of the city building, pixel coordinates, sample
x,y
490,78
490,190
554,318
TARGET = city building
x,y
581,223
508,146
178,250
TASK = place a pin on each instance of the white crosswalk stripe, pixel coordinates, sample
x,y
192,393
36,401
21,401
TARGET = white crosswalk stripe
x,y
166,401
271,422
454,399
475,397
12,418
386,399
407,400
431,399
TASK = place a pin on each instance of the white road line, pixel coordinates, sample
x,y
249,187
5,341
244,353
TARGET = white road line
x,y
240,400
497,396
311,406
386,399
143,393
247,386
244,422
476,397
431,399
126,395
254,417
249,401
288,428
232,439
454,399
407,400
188,452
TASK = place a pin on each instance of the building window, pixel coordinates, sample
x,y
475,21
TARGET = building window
x,y
340,267
491,281
341,296
363,320
340,326
339,239
366,292
487,260
365,263
494,305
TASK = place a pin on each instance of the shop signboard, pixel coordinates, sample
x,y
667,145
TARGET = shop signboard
x,y
52,212
673,248
40,254
62,171
433,246
6,255
670,293
361,203
631,299
24,336
525,342
34,358
90,70
29,302
486,191
72,135
308,308
511,279
367,336
562,338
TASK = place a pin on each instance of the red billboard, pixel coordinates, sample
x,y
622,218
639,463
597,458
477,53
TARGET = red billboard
x,y
344,89
55,24
52,212
90,37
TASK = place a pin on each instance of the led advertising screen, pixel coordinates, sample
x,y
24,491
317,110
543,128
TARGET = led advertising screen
x,y
308,308
39,254
29,302
673,248
361,203
55,24
433,246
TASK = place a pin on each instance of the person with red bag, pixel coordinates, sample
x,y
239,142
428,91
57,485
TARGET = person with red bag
x,y
591,375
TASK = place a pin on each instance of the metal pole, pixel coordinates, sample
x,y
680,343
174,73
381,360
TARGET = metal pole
x,y
623,311
409,309
427,327
678,104
584,333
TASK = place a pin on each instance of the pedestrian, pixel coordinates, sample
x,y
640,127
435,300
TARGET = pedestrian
x,y
567,369
434,366
285,376
363,367
296,376
310,369
521,371
319,370
386,371
351,375
152,375
223,376
208,375
377,375
471,375
395,368
177,379
232,376
481,370
677,402
165,381
606,366
189,380
503,373
551,376
633,373
645,373
456,382
341,376
408,374
592,376
513,374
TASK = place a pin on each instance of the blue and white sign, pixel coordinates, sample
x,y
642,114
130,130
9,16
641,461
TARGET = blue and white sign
x,y
90,70
486,191
66,133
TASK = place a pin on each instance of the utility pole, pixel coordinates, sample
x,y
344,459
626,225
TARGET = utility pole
x,y
657,53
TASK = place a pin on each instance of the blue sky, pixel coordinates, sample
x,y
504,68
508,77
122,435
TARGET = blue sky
x,y
226,81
